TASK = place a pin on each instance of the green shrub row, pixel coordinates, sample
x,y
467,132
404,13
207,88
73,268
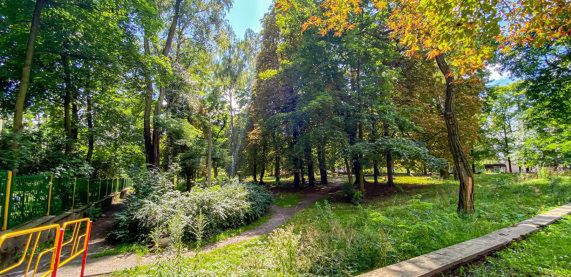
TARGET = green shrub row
x,y
155,203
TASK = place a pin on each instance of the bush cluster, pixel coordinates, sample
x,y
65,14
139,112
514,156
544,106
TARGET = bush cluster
x,y
155,203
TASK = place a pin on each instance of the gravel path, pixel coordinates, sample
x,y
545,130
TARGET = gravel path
x,y
109,264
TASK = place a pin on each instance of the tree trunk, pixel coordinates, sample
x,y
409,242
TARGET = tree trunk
x,y
462,167
262,173
348,170
188,180
233,137
147,133
322,163
67,99
389,158
264,161
156,130
310,167
297,164
90,132
507,148
277,168
301,173
209,159
27,68
376,172
255,171
74,116
162,90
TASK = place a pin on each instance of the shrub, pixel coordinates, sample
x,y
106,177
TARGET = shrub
x,y
352,195
155,202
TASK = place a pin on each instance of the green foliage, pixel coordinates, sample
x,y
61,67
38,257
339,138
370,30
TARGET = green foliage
x,y
352,195
340,239
155,202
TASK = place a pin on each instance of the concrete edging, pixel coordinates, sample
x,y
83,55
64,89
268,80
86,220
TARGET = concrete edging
x,y
453,256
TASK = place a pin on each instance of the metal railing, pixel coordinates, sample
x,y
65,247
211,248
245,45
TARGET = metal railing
x,y
25,198
60,243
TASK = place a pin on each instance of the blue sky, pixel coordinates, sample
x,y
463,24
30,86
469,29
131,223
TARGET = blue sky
x,y
247,14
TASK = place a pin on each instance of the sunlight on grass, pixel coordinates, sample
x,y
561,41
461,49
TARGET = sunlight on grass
x,y
236,231
413,222
287,200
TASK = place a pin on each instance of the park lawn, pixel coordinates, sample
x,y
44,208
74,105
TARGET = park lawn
x,y
287,200
546,253
236,231
419,219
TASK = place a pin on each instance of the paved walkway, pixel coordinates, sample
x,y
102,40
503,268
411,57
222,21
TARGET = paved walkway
x,y
280,215
436,262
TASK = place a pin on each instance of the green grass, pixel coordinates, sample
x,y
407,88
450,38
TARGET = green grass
x,y
546,253
204,264
410,180
138,249
287,200
236,231
346,239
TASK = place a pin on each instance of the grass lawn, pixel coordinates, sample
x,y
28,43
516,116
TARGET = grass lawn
x,y
236,231
138,249
546,253
287,200
343,239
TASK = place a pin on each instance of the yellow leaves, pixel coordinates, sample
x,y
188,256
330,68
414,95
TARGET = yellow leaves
x,y
432,54
283,5
381,5
267,74
465,32
535,23
313,21
336,15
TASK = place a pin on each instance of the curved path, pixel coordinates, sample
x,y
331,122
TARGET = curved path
x,y
280,215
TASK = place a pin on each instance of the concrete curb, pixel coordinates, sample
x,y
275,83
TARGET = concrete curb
x,y
438,261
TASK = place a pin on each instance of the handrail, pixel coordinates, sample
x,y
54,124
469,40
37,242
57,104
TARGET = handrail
x,y
80,234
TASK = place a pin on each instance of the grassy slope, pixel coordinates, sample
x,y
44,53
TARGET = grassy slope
x,y
547,253
415,221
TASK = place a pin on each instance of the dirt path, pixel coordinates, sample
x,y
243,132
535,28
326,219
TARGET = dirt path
x,y
103,226
109,264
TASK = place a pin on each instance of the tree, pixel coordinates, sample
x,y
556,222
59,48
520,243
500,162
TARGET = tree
x,y
25,80
459,36
501,109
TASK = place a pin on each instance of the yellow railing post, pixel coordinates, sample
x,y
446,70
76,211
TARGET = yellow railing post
x,y
7,200
73,196
50,194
